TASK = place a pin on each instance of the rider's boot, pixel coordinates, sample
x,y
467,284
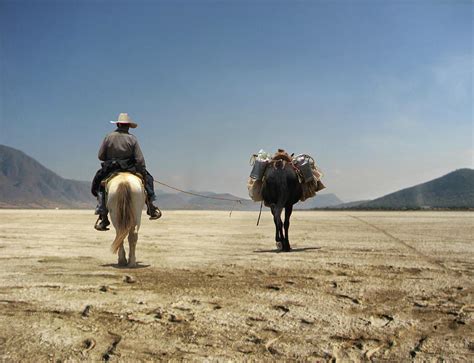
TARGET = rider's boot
x,y
101,210
152,210
102,223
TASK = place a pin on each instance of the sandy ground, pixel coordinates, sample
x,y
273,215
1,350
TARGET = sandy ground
x,y
358,286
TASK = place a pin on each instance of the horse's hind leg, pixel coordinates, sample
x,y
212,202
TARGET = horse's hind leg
x,y
132,242
286,240
277,236
276,211
122,259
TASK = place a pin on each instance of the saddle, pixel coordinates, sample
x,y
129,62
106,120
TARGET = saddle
x,y
106,180
281,155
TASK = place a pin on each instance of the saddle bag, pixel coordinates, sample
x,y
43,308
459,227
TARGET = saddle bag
x,y
258,169
310,175
259,164
303,163
255,182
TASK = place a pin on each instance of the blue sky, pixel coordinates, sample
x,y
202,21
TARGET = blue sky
x,y
380,93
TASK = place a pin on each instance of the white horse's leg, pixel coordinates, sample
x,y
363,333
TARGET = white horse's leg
x,y
122,258
132,241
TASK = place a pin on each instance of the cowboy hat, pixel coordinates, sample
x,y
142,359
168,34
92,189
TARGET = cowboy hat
x,y
125,119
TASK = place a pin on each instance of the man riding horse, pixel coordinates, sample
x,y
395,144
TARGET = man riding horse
x,y
120,152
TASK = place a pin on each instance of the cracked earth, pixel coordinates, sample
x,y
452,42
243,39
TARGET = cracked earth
x,y
358,286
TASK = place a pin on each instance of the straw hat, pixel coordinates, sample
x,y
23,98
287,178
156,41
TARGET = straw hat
x,y
125,119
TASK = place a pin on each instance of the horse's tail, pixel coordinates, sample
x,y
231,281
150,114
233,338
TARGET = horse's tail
x,y
125,218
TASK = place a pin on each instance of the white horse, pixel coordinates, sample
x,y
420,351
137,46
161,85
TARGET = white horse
x,y
125,201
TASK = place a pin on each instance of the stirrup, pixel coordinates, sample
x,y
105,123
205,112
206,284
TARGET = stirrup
x,y
99,226
155,214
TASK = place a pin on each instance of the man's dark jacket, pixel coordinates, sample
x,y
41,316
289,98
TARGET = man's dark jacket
x,y
120,145
120,151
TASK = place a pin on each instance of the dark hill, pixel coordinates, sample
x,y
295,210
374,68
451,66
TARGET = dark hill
x,y
25,183
454,190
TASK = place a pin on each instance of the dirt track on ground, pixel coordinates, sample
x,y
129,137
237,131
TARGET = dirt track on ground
x,y
358,286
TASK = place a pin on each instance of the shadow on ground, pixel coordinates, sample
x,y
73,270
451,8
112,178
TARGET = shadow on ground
x,y
117,266
301,249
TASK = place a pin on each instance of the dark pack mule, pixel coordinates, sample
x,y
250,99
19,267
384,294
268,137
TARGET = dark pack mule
x,y
281,190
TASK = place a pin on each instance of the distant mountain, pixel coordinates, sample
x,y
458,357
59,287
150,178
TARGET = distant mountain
x,y
191,202
25,183
319,201
349,204
454,190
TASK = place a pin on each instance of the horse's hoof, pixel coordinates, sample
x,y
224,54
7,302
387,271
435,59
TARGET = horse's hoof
x,y
132,265
279,246
122,263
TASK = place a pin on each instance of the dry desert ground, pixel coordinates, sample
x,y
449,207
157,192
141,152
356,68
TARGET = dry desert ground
x,y
358,286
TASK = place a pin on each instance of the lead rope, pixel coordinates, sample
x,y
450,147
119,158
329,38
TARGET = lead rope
x,y
202,196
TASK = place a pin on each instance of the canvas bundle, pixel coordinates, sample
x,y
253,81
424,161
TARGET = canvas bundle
x,y
255,189
310,188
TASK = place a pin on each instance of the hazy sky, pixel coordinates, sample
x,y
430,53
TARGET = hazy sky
x,y
379,92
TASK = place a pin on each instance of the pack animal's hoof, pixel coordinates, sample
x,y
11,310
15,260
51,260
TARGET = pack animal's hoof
x,y
279,246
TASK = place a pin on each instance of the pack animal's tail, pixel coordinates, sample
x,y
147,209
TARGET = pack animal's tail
x,y
125,218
